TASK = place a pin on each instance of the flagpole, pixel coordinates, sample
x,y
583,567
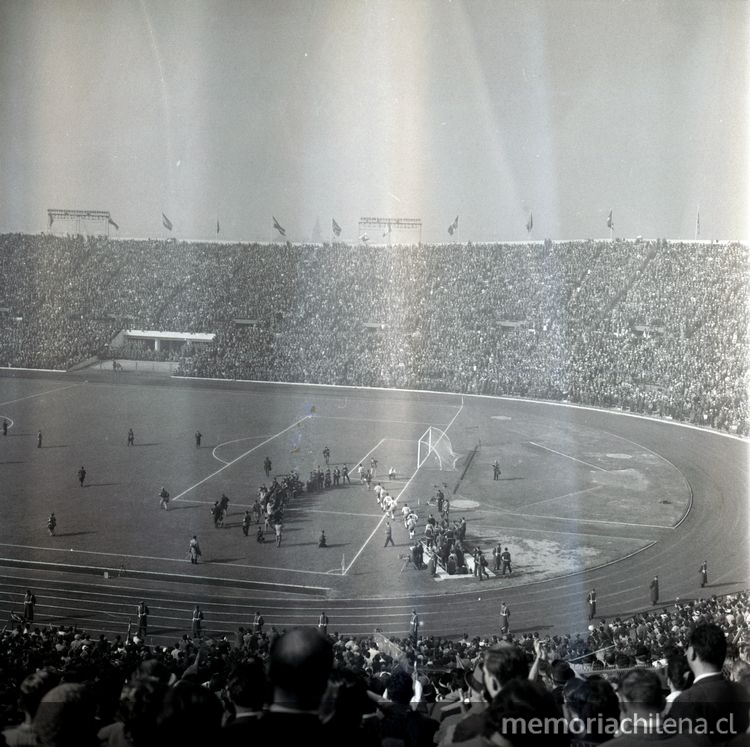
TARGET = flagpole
x,y
698,223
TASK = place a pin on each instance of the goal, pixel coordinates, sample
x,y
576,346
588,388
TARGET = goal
x,y
435,444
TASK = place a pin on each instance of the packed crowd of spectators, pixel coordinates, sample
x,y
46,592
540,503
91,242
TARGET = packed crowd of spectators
x,y
654,327
62,687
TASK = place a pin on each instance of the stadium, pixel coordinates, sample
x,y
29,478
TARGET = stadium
x,y
402,448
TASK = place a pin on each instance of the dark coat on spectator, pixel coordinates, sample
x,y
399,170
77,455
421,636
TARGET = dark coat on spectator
x,y
712,699
402,722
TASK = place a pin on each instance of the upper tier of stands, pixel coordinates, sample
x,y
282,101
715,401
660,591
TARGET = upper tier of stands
x,y
649,326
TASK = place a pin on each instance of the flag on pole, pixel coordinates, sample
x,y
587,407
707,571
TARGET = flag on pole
x,y
279,227
698,223
218,227
364,238
453,226
335,227
530,223
51,220
388,232
610,222
166,222
112,223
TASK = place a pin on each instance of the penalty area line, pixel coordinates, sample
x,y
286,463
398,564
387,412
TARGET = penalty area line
x,y
401,492
241,456
41,394
567,456
233,441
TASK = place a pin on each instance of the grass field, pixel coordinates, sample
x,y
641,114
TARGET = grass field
x,y
585,498
568,498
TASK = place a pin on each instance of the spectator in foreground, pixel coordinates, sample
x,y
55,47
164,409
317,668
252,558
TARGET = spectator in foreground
x,y
247,690
515,716
399,720
32,690
712,700
191,714
66,717
140,703
642,702
503,663
679,677
592,708
300,664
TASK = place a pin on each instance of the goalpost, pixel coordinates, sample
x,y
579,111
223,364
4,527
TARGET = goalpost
x,y
435,443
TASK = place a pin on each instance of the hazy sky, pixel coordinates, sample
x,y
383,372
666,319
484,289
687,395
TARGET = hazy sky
x,y
320,109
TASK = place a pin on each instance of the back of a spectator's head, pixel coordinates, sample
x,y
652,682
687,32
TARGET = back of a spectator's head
x,y
400,687
518,714
351,701
247,685
709,645
561,671
154,668
642,690
299,666
623,661
65,716
140,704
190,714
35,687
376,685
504,662
591,699
678,671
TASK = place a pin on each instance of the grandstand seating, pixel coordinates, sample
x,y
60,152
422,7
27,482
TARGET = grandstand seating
x,y
653,327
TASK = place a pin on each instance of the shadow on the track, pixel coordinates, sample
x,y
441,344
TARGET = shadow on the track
x,y
100,484
723,583
54,446
153,443
72,534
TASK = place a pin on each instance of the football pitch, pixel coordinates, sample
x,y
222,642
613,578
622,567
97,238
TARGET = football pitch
x,y
581,493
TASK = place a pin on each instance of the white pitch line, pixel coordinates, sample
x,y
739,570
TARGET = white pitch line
x,y
408,482
379,420
41,394
567,456
149,557
233,441
241,456
567,495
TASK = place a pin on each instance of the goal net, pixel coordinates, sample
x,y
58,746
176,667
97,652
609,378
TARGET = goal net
x,y
434,444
